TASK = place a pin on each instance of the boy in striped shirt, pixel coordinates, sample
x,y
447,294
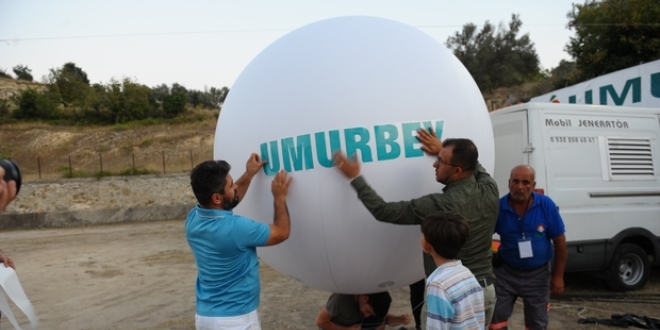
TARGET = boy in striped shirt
x,y
454,298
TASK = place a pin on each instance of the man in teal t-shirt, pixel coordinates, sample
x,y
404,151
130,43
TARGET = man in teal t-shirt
x,y
224,244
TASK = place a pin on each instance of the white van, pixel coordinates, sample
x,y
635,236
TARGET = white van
x,y
601,166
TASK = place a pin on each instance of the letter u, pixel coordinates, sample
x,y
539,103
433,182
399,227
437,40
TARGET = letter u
x,y
273,162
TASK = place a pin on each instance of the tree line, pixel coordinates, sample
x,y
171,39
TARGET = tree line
x,y
70,97
610,35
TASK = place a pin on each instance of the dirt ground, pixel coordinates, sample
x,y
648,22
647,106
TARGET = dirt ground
x,y
142,276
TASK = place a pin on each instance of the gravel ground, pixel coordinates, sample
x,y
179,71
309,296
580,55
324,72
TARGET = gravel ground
x,y
142,276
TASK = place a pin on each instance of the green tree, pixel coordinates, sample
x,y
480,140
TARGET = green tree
x,y
160,92
565,74
174,104
219,95
126,101
35,105
22,72
496,57
71,83
94,108
176,88
611,35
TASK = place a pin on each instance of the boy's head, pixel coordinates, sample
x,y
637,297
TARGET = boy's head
x,y
375,304
445,233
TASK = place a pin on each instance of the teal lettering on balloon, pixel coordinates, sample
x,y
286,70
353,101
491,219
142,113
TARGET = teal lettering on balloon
x,y
272,161
386,146
297,152
322,155
357,139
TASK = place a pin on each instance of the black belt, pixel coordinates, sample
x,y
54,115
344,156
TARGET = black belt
x,y
484,282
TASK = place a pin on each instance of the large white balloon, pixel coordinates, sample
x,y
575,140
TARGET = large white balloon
x,y
362,85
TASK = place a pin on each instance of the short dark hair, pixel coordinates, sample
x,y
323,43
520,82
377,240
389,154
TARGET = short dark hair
x,y
208,178
380,302
446,232
465,154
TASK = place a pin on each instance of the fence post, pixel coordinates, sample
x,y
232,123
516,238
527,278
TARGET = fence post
x,y
191,160
39,167
133,156
163,162
101,162
70,169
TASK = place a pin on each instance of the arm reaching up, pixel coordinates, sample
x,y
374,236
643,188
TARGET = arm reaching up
x,y
281,227
252,167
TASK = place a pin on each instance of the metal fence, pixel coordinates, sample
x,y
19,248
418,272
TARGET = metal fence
x,y
98,164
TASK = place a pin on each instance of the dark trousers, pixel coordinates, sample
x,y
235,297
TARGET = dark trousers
x,y
533,286
417,300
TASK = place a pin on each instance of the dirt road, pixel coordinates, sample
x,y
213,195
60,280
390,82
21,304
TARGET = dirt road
x,y
142,276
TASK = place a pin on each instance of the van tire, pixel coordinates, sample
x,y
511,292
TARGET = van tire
x,y
629,269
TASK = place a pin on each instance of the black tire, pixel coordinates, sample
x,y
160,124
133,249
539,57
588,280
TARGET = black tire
x,y
629,269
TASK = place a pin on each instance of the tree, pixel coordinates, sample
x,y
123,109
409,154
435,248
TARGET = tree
x,y
565,74
611,35
219,95
22,72
176,88
174,104
70,82
35,105
158,93
496,57
126,101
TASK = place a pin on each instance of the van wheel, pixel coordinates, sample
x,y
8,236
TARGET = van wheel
x,y
629,268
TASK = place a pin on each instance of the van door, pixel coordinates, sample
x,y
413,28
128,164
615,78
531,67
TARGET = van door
x,y
511,145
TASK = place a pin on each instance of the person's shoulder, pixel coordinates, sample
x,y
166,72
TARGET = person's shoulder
x,y
243,220
504,199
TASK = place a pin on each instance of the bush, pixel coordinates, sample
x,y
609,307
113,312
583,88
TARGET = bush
x,y
34,105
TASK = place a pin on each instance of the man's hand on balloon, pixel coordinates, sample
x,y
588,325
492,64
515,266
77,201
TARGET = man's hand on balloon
x,y
350,169
254,164
430,142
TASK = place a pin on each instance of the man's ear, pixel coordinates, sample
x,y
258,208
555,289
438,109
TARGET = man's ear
x,y
363,298
216,199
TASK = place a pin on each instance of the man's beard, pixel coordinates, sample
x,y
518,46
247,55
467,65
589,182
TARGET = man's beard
x,y
230,205
520,197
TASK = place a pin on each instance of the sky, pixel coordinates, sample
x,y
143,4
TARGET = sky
x,y
204,44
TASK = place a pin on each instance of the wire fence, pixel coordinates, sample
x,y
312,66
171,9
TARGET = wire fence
x,y
99,164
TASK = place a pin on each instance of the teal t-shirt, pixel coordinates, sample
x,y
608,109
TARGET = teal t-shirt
x,y
224,246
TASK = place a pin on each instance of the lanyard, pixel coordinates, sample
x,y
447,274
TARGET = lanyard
x,y
530,200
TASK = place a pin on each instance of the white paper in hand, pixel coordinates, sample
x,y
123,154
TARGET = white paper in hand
x,y
11,285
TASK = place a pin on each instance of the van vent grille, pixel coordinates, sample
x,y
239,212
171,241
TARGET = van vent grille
x,y
630,158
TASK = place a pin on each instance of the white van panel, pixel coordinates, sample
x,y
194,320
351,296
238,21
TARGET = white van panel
x,y
601,166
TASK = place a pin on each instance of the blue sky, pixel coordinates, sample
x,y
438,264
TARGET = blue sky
x,y
208,43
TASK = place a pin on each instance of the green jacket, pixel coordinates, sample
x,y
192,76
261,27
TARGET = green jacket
x,y
475,198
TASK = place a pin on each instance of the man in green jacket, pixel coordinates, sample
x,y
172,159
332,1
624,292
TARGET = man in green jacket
x,y
469,190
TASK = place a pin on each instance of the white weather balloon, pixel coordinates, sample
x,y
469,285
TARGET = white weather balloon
x,y
362,85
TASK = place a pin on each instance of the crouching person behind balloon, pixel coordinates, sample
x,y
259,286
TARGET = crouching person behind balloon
x,y
359,312
224,244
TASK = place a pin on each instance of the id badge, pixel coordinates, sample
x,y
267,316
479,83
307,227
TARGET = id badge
x,y
525,248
